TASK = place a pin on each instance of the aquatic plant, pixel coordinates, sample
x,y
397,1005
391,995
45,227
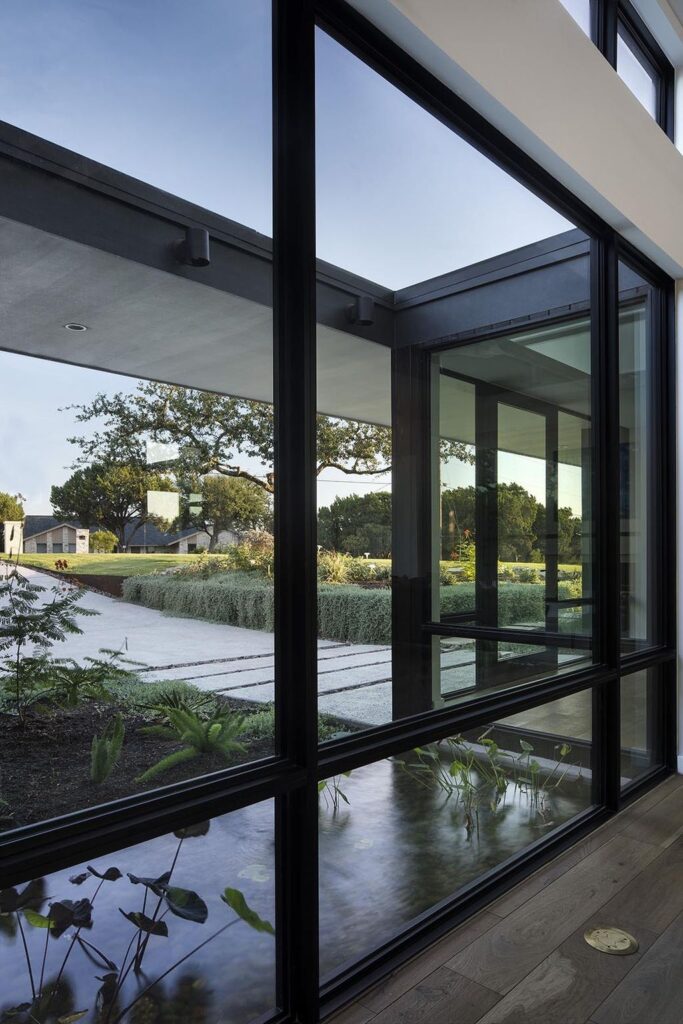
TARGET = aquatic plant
x,y
332,792
49,990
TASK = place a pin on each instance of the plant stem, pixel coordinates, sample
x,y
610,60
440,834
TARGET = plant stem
x,y
141,950
172,968
28,958
42,966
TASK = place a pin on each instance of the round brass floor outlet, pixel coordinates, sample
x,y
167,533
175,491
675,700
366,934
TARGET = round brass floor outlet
x,y
611,940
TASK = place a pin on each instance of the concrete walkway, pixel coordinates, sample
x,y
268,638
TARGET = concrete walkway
x,y
354,680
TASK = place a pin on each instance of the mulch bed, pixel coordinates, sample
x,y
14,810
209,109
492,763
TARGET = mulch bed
x,y
45,765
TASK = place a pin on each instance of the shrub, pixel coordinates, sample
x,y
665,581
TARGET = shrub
x,y
103,542
346,613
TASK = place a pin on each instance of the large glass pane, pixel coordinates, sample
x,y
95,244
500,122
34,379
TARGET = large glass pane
x,y
580,11
641,724
635,71
179,928
514,500
136,424
422,826
639,464
175,94
425,239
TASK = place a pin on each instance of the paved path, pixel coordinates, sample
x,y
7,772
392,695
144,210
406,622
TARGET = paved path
x,y
354,680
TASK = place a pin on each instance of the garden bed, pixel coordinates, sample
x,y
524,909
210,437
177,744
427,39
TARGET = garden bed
x,y
46,763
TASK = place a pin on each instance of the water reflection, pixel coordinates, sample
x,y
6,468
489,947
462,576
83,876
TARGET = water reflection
x,y
399,842
171,930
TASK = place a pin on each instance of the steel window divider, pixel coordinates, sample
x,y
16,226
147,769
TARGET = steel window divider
x,y
294,318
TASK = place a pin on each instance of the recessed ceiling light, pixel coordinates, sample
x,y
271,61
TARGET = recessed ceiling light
x,y
76,327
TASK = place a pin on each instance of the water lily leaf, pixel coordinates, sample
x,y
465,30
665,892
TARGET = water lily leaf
x,y
65,913
107,990
146,924
110,875
32,895
37,920
185,903
236,901
70,1018
152,883
191,831
79,879
526,747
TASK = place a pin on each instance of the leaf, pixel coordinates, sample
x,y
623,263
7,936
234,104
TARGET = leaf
x,y
146,924
185,903
65,913
110,875
526,747
192,831
31,896
79,879
154,884
37,920
69,1018
236,901
322,785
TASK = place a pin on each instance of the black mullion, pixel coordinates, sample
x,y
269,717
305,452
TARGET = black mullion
x,y
376,744
605,490
411,542
508,634
39,850
604,28
486,527
295,500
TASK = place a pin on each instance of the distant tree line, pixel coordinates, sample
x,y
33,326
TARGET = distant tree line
x,y
360,524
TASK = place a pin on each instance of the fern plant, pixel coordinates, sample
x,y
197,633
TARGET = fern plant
x,y
106,749
216,734
177,699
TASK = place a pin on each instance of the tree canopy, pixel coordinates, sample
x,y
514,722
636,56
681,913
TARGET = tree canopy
x,y
11,507
110,495
217,503
210,433
357,524
521,524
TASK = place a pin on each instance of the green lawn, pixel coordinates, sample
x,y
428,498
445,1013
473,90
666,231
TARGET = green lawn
x,y
108,565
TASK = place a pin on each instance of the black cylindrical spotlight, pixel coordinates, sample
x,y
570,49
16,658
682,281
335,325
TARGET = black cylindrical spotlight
x,y
362,311
193,249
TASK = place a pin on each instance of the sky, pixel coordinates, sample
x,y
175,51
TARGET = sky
x,y
179,95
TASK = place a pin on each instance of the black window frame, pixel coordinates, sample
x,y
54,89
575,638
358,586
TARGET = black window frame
x,y
611,18
291,777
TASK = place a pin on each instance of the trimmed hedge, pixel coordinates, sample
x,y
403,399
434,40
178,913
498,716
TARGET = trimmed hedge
x,y
345,613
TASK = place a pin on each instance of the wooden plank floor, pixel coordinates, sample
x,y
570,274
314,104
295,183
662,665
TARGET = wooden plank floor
x,y
524,958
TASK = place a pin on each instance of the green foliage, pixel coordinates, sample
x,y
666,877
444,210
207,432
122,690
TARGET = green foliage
x,y
215,503
345,613
28,622
357,524
105,750
521,525
11,508
187,698
216,734
103,542
110,494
